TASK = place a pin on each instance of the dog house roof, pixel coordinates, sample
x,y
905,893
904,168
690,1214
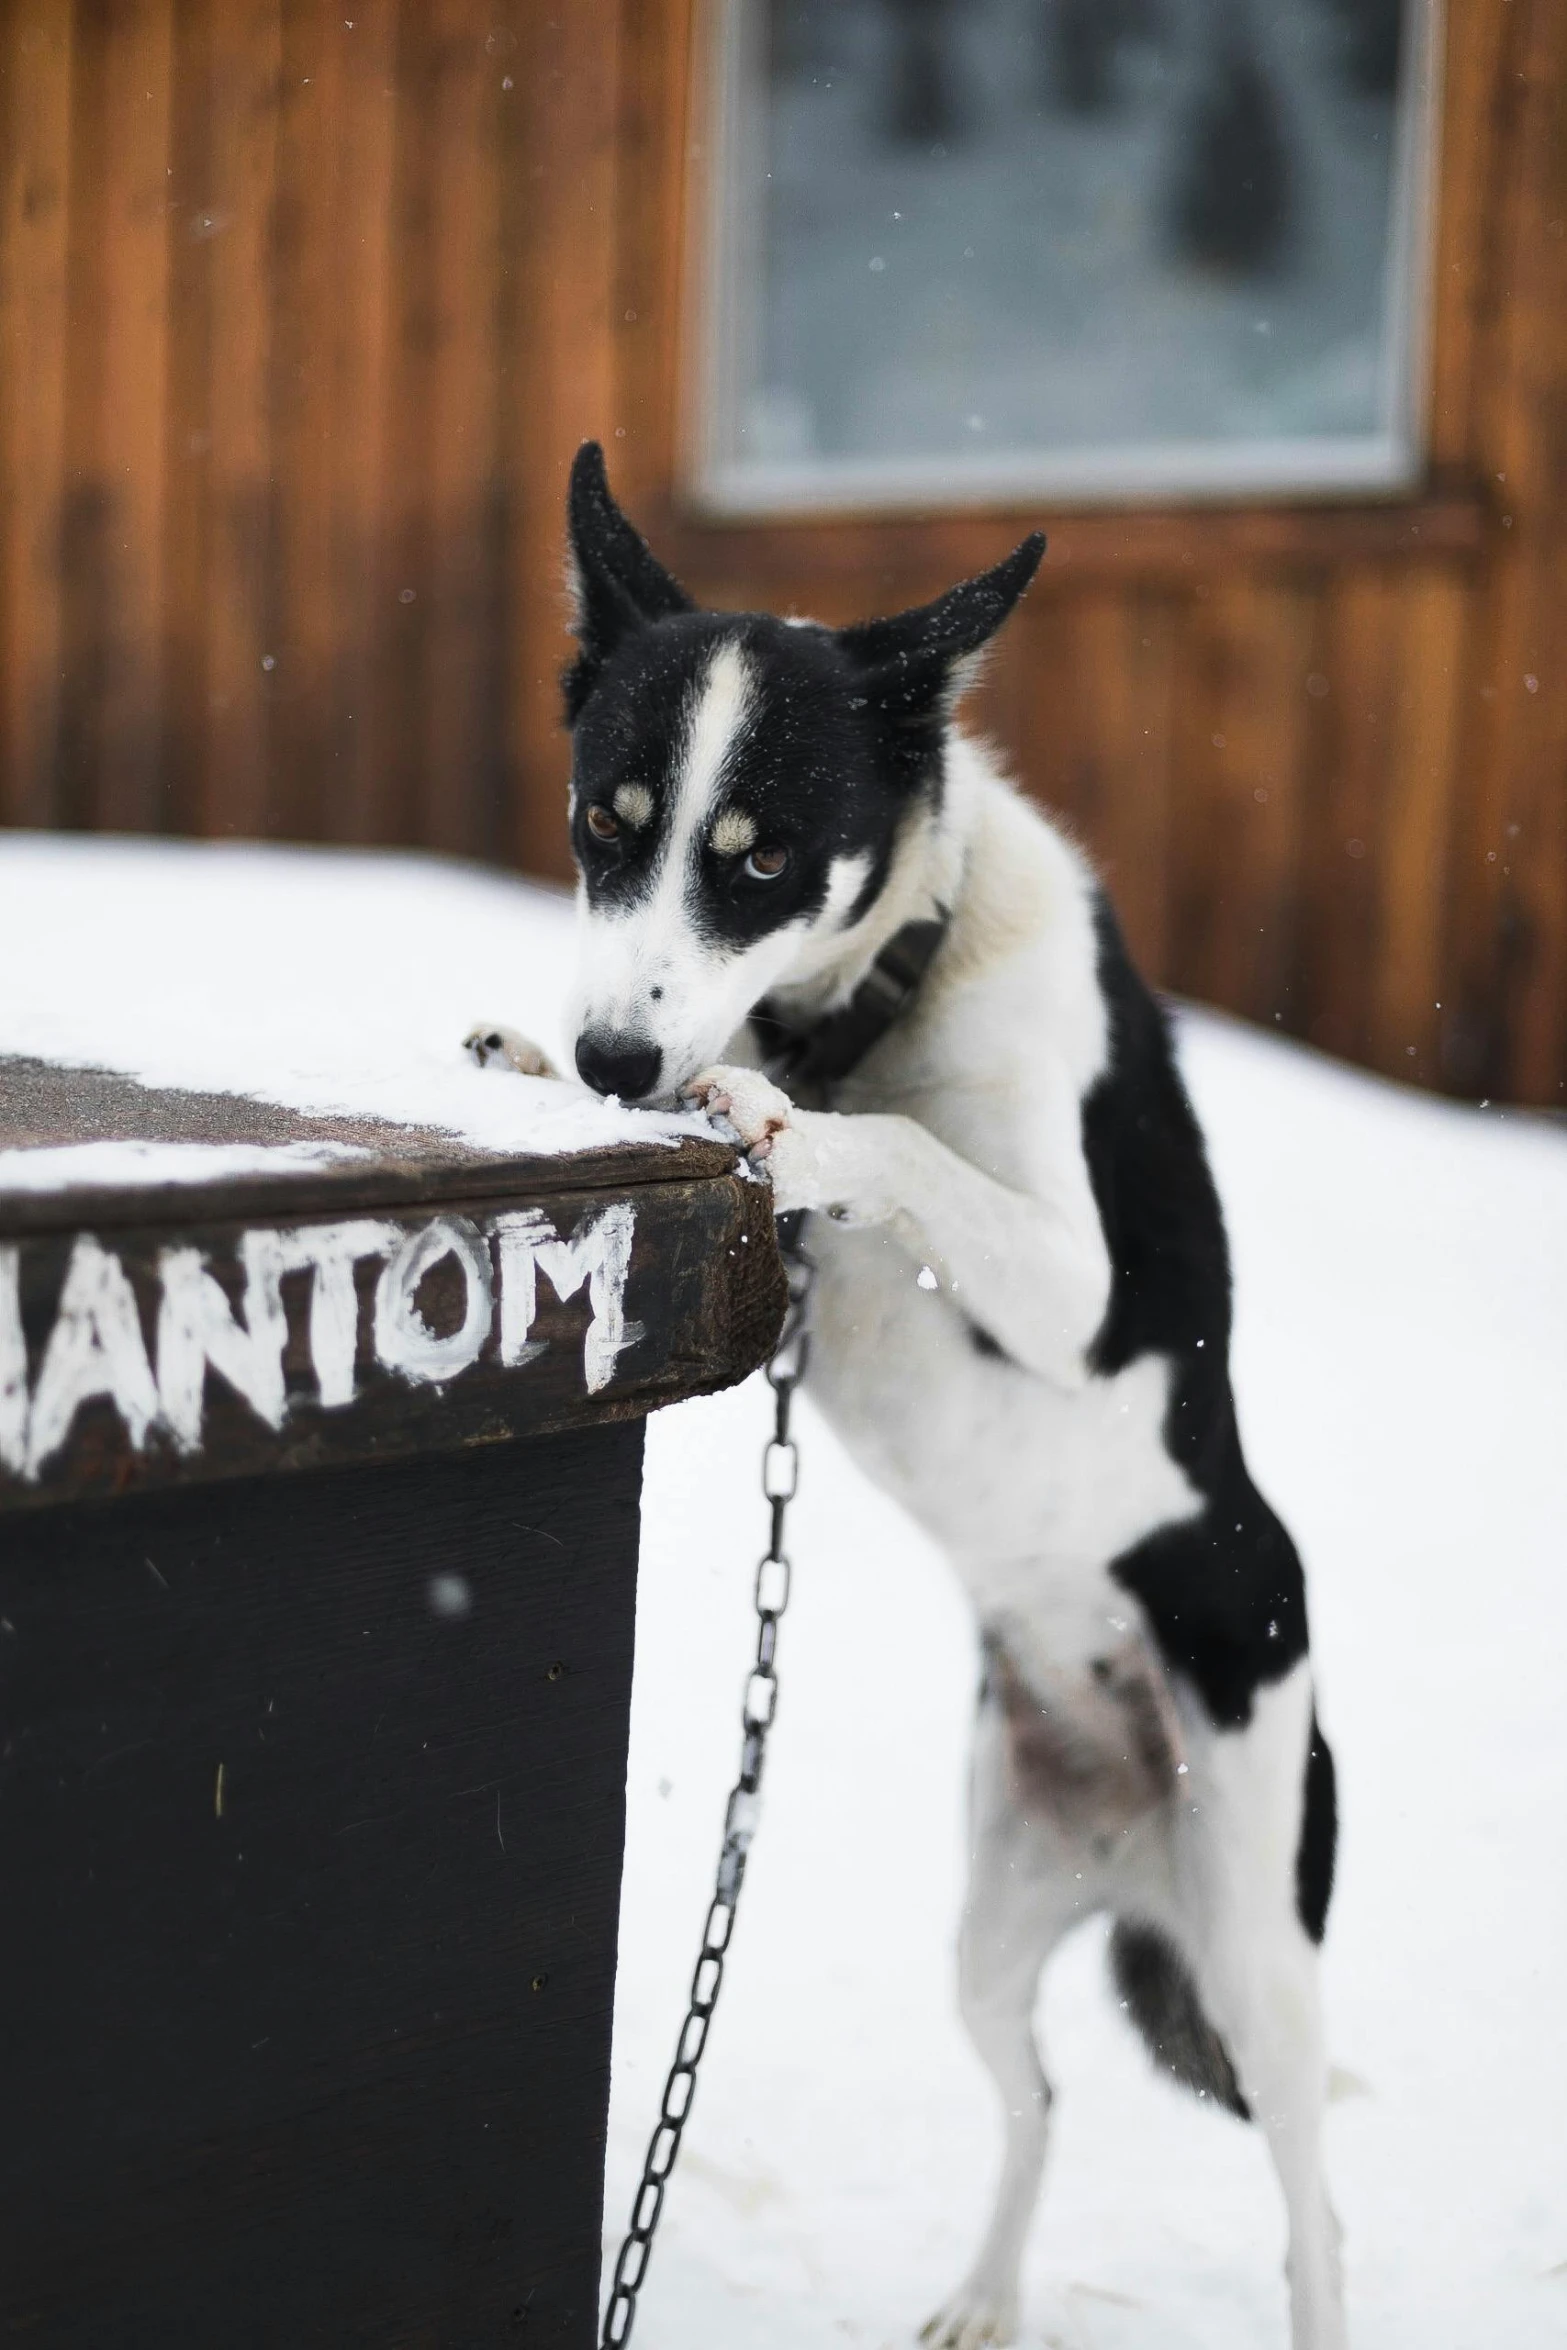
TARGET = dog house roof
x,y
261,1019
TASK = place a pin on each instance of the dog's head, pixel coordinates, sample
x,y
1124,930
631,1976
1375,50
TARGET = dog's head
x,y
739,784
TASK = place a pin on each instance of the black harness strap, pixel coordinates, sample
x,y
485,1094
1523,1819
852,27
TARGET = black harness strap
x,y
809,1062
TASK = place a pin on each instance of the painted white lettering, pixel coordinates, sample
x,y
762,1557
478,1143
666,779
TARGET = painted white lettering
x,y
519,1233
332,1250
196,1326
404,1341
13,1364
95,1348
598,1252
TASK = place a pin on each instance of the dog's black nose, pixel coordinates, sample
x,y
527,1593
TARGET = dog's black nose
x,y
621,1064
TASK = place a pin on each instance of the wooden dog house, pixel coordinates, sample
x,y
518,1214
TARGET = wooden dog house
x,y
320,1470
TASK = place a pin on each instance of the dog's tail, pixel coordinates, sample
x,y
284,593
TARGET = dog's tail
x,y
1159,1995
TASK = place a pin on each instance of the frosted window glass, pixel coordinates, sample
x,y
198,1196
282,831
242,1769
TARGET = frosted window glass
x,y
1086,246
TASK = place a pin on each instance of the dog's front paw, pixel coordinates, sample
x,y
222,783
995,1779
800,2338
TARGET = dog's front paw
x,y
745,1106
972,2320
503,1048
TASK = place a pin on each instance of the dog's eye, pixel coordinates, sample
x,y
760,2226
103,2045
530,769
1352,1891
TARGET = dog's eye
x,y
602,823
765,864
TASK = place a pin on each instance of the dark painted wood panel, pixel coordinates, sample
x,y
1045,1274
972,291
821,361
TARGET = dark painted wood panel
x,y
317,1789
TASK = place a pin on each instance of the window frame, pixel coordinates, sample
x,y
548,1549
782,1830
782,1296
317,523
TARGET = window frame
x,y
724,216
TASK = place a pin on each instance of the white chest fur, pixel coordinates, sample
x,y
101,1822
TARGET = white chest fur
x,y
1032,1489
1032,1483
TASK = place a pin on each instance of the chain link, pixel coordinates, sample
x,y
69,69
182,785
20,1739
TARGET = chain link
x,y
780,1477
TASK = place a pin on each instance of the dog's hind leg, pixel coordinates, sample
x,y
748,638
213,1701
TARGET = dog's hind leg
x,y
1018,1907
1248,1916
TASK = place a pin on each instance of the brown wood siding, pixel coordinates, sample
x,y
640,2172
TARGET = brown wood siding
x,y
302,318
273,408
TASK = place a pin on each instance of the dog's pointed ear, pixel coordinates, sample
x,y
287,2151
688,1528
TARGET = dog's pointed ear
x,y
918,663
617,582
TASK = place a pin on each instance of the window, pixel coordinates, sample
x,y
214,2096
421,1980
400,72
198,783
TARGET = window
x,y
970,249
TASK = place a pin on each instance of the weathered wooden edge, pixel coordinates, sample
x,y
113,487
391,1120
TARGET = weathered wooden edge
x,y
703,1296
353,1184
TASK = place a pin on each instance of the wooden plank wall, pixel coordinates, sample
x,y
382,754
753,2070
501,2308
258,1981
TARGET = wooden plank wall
x,y
303,309
279,376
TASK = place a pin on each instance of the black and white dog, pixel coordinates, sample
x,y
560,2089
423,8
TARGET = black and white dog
x,y
1022,1312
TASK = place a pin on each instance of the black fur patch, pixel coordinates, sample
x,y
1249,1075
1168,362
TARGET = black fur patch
x,y
621,585
1224,1592
1318,1847
1161,2000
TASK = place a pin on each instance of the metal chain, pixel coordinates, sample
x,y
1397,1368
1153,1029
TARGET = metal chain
x,y
780,1476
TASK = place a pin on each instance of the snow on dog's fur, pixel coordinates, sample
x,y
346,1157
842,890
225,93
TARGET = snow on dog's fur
x,y
1022,1312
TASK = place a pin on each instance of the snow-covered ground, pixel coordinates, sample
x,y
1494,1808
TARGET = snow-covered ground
x,y
1402,1370
1402,1367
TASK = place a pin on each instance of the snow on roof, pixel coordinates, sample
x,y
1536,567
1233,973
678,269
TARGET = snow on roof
x,y
122,1166
332,981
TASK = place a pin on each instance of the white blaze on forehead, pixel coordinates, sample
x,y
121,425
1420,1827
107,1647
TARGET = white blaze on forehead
x,y
734,833
651,940
634,804
717,720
